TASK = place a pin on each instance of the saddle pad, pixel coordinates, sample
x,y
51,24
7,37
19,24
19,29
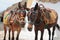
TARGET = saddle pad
x,y
53,17
5,18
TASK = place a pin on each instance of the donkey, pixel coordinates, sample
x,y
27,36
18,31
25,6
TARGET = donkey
x,y
37,17
14,20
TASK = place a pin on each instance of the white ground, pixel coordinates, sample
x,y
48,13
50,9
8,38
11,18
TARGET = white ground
x,y
26,35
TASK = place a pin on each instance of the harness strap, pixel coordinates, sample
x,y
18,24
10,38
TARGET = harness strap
x,y
46,25
6,16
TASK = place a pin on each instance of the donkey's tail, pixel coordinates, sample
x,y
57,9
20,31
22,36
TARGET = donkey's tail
x,y
58,26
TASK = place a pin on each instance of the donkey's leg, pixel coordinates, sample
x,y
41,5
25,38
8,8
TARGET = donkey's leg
x,y
53,32
12,34
9,33
18,32
36,34
42,32
49,33
5,32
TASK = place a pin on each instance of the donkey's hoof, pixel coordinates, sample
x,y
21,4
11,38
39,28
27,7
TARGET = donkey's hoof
x,y
41,39
16,38
4,39
9,38
52,39
12,38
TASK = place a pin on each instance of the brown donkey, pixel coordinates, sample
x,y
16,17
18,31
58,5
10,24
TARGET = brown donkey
x,y
38,17
14,20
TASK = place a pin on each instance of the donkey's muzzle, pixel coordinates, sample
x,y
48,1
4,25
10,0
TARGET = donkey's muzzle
x,y
29,29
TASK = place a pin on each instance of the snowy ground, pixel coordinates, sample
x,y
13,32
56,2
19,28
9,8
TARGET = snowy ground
x,y
26,35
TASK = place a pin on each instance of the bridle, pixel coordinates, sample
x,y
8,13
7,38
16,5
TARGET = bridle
x,y
17,12
31,13
34,21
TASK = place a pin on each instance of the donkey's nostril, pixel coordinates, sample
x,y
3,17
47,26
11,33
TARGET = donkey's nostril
x,y
29,29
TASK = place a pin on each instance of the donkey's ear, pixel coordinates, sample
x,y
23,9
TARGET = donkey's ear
x,y
19,5
36,6
25,5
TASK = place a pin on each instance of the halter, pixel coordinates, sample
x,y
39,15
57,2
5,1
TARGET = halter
x,y
24,11
34,21
17,16
30,16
